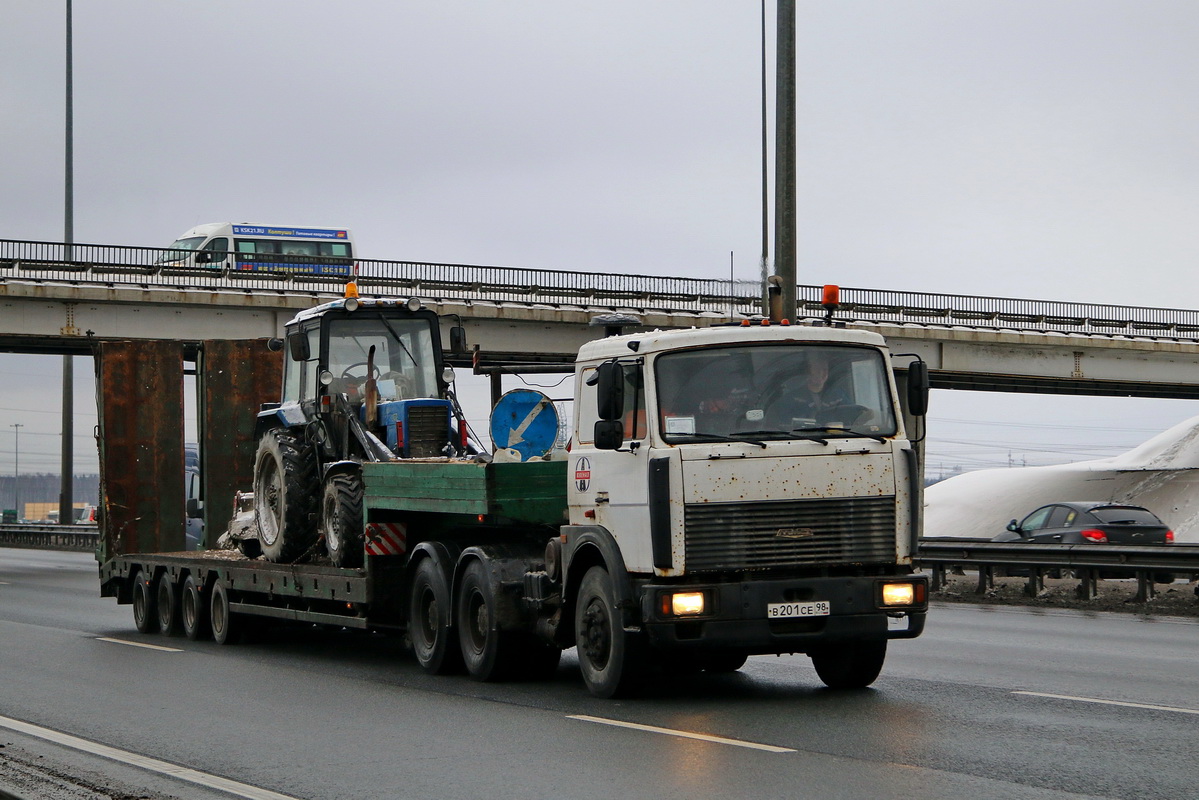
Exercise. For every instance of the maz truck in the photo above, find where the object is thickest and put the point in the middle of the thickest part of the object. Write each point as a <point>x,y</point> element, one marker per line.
<point>726,491</point>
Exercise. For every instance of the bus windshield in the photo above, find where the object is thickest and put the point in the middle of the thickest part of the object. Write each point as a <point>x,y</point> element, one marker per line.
<point>180,246</point>
<point>774,391</point>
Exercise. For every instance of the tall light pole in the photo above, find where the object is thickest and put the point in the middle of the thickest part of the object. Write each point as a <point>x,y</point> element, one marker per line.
<point>16,469</point>
<point>66,490</point>
<point>784,158</point>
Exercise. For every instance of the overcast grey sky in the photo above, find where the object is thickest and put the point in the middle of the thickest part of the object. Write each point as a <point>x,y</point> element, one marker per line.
<point>1014,148</point>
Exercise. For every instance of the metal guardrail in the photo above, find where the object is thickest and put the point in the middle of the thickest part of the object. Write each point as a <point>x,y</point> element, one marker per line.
<point>113,265</point>
<point>1087,561</point>
<point>49,537</point>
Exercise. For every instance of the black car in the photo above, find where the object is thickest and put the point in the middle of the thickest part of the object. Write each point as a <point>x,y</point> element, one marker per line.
<point>1095,522</point>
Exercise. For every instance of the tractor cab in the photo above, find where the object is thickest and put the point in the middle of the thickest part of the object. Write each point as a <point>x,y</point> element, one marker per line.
<point>363,380</point>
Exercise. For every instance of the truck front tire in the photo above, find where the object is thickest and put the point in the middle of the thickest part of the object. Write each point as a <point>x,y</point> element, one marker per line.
<point>611,659</point>
<point>285,495</point>
<point>853,665</point>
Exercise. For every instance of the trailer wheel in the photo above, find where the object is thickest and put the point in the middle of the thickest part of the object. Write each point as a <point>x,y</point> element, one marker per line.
<point>194,611</point>
<point>341,519</point>
<point>429,621</point>
<point>850,666</point>
<point>168,605</point>
<point>488,652</point>
<point>226,627</point>
<point>612,660</point>
<point>145,606</point>
<point>285,495</point>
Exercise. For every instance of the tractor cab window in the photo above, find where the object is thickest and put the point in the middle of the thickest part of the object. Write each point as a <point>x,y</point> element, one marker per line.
<point>396,352</point>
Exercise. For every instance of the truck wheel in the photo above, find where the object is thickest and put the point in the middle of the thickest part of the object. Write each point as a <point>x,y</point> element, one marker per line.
<point>194,611</point>
<point>487,651</point>
<point>341,519</point>
<point>226,628</point>
<point>611,659</point>
<point>168,605</point>
<point>429,626</point>
<point>285,495</point>
<point>145,606</point>
<point>850,666</point>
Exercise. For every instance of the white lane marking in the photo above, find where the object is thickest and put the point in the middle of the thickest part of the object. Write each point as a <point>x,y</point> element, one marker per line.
<point>1174,709</point>
<point>684,734</point>
<point>139,644</point>
<point>144,762</point>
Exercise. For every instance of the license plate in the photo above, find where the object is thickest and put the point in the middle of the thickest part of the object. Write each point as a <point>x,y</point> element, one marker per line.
<point>819,608</point>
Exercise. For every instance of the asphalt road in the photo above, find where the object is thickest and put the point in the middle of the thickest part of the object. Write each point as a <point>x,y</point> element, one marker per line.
<point>989,703</point>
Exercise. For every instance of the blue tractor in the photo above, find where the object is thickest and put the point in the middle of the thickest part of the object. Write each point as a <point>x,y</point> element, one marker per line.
<point>363,380</point>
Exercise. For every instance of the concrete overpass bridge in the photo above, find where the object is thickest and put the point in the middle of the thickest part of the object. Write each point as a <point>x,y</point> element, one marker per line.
<point>57,298</point>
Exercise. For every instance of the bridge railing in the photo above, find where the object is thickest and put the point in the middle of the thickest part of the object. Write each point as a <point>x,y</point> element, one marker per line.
<point>157,267</point>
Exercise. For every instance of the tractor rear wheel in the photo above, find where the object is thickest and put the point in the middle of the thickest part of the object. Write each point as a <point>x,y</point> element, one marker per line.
<point>285,495</point>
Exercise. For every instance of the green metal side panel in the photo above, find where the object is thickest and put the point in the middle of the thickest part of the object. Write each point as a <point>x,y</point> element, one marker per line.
<point>234,378</point>
<point>139,397</point>
<point>533,492</point>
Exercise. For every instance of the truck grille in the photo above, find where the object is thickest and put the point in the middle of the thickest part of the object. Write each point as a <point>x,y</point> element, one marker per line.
<point>428,431</point>
<point>787,533</point>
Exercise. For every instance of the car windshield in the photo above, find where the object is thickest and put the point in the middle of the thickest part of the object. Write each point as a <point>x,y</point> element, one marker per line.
<point>1124,515</point>
<point>773,391</point>
<point>176,250</point>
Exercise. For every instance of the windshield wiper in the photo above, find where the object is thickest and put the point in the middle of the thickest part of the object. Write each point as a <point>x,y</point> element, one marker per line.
<point>841,432</point>
<point>716,437</point>
<point>399,341</point>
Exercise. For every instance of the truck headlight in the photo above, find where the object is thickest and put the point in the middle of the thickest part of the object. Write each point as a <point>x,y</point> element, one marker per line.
<point>900,594</point>
<point>683,604</point>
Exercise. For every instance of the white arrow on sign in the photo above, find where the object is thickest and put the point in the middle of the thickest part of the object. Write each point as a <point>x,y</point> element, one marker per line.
<point>517,434</point>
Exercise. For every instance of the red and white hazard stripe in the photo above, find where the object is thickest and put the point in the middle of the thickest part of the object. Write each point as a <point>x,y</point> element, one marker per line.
<point>386,539</point>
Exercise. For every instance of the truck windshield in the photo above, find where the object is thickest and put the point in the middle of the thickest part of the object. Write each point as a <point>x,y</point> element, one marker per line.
<point>771,392</point>
<point>404,364</point>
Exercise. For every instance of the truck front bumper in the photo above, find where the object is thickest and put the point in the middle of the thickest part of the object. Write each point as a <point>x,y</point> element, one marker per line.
<point>736,614</point>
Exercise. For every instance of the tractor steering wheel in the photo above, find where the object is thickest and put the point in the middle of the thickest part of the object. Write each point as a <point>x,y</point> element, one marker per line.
<point>346,374</point>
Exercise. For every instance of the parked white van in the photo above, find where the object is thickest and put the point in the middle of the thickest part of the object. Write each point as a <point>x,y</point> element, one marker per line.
<point>262,248</point>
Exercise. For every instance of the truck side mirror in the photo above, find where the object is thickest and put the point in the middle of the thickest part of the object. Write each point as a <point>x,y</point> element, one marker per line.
<point>297,345</point>
<point>609,434</point>
<point>457,339</point>
<point>610,391</point>
<point>918,387</point>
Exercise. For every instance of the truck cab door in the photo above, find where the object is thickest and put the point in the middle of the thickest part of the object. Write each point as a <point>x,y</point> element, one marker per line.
<point>609,487</point>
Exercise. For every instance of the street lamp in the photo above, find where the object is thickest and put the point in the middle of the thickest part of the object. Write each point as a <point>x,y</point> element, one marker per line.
<point>16,470</point>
